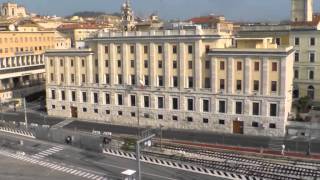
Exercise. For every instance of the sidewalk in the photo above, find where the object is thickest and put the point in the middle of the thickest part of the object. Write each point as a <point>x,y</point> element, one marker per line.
<point>251,151</point>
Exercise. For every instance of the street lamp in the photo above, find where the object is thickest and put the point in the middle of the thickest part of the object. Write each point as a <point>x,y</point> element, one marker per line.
<point>25,112</point>
<point>161,126</point>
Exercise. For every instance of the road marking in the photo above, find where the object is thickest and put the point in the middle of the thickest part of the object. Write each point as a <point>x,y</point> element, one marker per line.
<point>48,152</point>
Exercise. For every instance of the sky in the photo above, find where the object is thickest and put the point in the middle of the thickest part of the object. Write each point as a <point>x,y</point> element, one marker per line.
<point>238,10</point>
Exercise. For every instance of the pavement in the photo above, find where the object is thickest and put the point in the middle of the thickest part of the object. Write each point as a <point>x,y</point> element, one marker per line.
<point>79,164</point>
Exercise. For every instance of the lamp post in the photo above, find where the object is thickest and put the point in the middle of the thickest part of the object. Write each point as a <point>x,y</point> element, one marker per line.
<point>25,112</point>
<point>146,137</point>
<point>161,126</point>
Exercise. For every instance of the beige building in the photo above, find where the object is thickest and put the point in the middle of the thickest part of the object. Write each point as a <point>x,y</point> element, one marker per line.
<point>304,36</point>
<point>174,78</point>
<point>21,62</point>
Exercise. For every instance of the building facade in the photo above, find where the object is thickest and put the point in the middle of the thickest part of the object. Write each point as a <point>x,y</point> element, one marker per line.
<point>171,78</point>
<point>13,10</point>
<point>22,63</point>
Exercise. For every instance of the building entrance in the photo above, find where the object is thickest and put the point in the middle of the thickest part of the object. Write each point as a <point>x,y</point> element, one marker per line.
<point>74,112</point>
<point>238,127</point>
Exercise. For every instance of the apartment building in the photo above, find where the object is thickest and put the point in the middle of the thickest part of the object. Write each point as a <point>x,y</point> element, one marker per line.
<point>182,79</point>
<point>303,34</point>
<point>22,63</point>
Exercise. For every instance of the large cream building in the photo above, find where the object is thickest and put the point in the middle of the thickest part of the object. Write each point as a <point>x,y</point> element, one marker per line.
<point>303,33</point>
<point>186,79</point>
<point>22,63</point>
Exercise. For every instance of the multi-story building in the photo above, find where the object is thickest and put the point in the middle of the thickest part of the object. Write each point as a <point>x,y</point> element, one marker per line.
<point>178,78</point>
<point>303,34</point>
<point>12,10</point>
<point>21,62</point>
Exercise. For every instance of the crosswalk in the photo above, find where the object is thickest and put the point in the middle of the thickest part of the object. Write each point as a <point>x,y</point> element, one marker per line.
<point>54,166</point>
<point>48,152</point>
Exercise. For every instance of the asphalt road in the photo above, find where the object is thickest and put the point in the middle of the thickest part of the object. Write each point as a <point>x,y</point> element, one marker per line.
<point>84,161</point>
<point>36,116</point>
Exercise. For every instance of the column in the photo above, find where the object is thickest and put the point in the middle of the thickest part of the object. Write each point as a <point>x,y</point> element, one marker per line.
<point>101,63</point>
<point>113,64</point>
<point>197,71</point>
<point>67,70</point>
<point>265,77</point>
<point>56,70</point>
<point>167,65</point>
<point>78,70</point>
<point>213,75</point>
<point>90,70</point>
<point>182,65</point>
<point>247,75</point>
<point>138,64</point>
<point>230,74</point>
<point>283,77</point>
<point>125,61</point>
<point>152,65</point>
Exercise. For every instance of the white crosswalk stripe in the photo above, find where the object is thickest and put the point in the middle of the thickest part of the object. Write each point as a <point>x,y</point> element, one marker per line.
<point>34,160</point>
<point>48,152</point>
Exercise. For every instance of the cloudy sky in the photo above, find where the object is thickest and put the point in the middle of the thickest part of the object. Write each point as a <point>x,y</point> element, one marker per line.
<point>241,10</point>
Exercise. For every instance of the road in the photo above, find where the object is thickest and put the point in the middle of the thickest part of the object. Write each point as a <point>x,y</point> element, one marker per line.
<point>36,116</point>
<point>85,164</point>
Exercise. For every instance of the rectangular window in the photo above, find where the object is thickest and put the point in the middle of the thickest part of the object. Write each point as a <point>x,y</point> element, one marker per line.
<point>120,99</point>
<point>51,77</point>
<point>207,64</point>
<point>159,49</point>
<point>255,124</point>
<point>107,79</point>
<point>273,109</point>
<point>133,79</point>
<point>96,62</point>
<point>222,86</point>
<point>296,41</point>
<point>255,108</point>
<point>61,62</point>
<point>106,49</point>
<point>256,85</point>
<point>189,119</point>
<point>84,96</point>
<point>146,101</point>
<point>145,49</point>
<point>97,78</point>
<point>205,120</point>
<point>311,75</point>
<point>106,63</point>
<point>160,116</point>
<point>51,62</point>
<point>274,66</point>
<point>71,62</point>
<point>312,57</point>
<point>207,83</point>
<point>72,78</point>
<point>84,109</point>
<point>190,82</point>
<point>159,64</point>
<point>160,102</point>
<point>107,98</point>
<point>95,98</point>
<point>272,126</point>
<point>190,104</point>
<point>274,86</point>
<point>61,78</point>
<point>83,78</point>
<point>133,100</point>
<point>146,80</point>
<point>296,74</point>
<point>132,49</point>
<point>256,66</point>
<point>119,63</point>
<point>190,49</point>
<point>63,95</point>
<point>133,114</point>
<point>175,118</point>
<point>239,66</point>
<point>312,41</point>
<point>174,64</point>
<point>175,81</point>
<point>53,94</point>
<point>145,63</point>
<point>132,63</point>
<point>96,111</point>
<point>207,48</point>
<point>160,81</point>
<point>278,41</point>
<point>174,49</point>
<point>221,65</point>
<point>73,96</point>
<point>239,85</point>
<point>175,103</point>
<point>221,122</point>
<point>205,105</point>
<point>119,49</point>
<point>119,79</point>
<point>190,64</point>
<point>238,107</point>
<point>222,106</point>
<point>296,57</point>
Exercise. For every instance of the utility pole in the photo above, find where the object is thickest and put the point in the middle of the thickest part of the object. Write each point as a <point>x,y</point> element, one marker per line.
<point>161,126</point>
<point>25,112</point>
<point>146,137</point>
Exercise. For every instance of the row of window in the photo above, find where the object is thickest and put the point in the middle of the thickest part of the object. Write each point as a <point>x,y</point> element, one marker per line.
<point>24,49</point>
<point>161,117</point>
<point>312,57</point>
<point>312,41</point>
<point>25,39</point>
<point>146,49</point>
<point>175,104</point>
<point>310,74</point>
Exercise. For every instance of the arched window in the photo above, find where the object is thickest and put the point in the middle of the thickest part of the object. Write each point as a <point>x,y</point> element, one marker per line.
<point>311,92</point>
